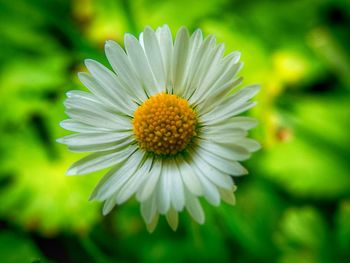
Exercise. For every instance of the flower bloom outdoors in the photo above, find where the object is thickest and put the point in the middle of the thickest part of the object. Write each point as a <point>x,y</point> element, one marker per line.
<point>165,121</point>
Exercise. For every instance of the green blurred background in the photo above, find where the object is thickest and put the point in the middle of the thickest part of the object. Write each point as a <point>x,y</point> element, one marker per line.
<point>294,206</point>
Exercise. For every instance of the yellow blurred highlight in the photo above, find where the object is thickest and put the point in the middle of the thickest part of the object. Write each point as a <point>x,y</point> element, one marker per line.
<point>101,30</point>
<point>290,68</point>
<point>83,10</point>
<point>100,21</point>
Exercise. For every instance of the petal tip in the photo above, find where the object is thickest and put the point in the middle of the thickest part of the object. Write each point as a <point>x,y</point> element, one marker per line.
<point>245,171</point>
<point>60,140</point>
<point>109,44</point>
<point>174,228</point>
<point>105,212</point>
<point>72,171</point>
<point>83,77</point>
<point>62,124</point>
<point>201,221</point>
<point>89,62</point>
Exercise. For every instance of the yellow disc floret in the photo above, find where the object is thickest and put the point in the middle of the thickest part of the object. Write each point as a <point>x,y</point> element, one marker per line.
<point>164,124</point>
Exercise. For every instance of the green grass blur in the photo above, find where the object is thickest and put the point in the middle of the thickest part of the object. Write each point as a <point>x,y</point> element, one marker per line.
<point>294,206</point>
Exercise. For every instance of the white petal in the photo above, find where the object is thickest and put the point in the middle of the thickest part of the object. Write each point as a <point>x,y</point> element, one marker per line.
<point>194,208</point>
<point>109,82</point>
<point>215,98</point>
<point>121,65</point>
<point>218,89</point>
<point>250,144</point>
<point>149,209</point>
<point>77,103</point>
<point>201,63</point>
<point>100,160</point>
<point>177,189</point>
<point>226,114</point>
<point>116,145</point>
<point>228,195</point>
<point>212,69</point>
<point>96,89</point>
<point>114,179</point>
<point>233,57</point>
<point>150,184</point>
<point>210,170</point>
<point>229,69</point>
<point>134,182</point>
<point>244,123</point>
<point>222,135</point>
<point>104,96</point>
<point>153,224</point>
<point>206,77</point>
<point>166,50</point>
<point>226,165</point>
<point>230,151</point>
<point>139,61</point>
<point>196,41</point>
<point>77,97</point>
<point>153,53</point>
<point>173,218</point>
<point>141,40</point>
<point>84,96</point>
<point>76,126</point>
<point>99,118</point>
<point>231,103</point>
<point>164,188</point>
<point>181,47</point>
<point>211,193</point>
<point>93,138</point>
<point>108,205</point>
<point>189,177</point>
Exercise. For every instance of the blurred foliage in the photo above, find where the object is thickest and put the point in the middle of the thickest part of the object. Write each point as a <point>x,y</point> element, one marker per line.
<point>16,248</point>
<point>293,207</point>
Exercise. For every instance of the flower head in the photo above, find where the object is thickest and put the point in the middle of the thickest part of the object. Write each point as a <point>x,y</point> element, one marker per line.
<point>165,121</point>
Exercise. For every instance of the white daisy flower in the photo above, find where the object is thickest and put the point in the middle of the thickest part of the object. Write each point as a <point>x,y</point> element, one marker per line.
<point>165,121</point>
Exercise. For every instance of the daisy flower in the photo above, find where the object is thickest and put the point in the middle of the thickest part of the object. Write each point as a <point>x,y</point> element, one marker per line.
<point>165,121</point>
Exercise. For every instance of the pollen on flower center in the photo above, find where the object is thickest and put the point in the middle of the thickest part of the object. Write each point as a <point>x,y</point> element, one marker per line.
<point>164,124</point>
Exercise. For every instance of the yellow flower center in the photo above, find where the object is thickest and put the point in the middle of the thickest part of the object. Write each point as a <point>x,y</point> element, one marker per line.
<point>164,124</point>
